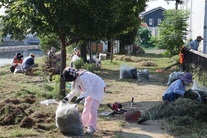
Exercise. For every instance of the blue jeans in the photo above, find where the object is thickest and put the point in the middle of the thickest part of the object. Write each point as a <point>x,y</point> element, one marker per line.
<point>170,97</point>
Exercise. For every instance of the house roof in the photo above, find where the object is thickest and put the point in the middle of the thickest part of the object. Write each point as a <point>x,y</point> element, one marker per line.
<point>152,10</point>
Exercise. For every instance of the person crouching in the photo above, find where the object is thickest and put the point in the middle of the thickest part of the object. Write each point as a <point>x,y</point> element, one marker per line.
<point>28,64</point>
<point>177,88</point>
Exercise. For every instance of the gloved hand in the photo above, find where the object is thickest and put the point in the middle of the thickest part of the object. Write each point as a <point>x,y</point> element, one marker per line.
<point>79,99</point>
<point>64,100</point>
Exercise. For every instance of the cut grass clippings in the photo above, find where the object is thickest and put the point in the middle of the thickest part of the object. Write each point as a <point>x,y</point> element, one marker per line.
<point>184,117</point>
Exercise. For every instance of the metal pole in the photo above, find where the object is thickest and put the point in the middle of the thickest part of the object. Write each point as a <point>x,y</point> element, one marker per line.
<point>205,29</point>
<point>191,20</point>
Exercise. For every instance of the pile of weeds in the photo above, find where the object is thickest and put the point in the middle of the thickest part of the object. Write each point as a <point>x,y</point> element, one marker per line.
<point>15,111</point>
<point>181,107</point>
<point>182,117</point>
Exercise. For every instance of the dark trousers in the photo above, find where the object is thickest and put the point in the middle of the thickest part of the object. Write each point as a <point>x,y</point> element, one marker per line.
<point>170,97</point>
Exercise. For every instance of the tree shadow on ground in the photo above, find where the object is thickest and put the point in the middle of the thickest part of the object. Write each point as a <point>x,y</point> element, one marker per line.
<point>108,133</point>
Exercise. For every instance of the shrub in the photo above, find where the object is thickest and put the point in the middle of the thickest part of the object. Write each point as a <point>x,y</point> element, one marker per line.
<point>78,64</point>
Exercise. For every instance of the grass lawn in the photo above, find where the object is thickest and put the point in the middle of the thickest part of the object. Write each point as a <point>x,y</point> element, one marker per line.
<point>24,93</point>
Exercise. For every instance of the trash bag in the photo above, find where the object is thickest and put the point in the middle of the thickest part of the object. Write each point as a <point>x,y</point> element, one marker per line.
<point>68,119</point>
<point>128,72</point>
<point>174,76</point>
<point>133,72</point>
<point>197,86</point>
<point>202,90</point>
<point>143,75</point>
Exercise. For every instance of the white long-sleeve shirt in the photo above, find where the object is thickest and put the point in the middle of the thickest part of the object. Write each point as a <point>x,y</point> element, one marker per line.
<point>88,84</point>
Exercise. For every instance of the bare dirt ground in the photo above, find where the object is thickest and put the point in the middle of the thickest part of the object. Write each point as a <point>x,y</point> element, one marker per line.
<point>149,94</point>
<point>146,94</point>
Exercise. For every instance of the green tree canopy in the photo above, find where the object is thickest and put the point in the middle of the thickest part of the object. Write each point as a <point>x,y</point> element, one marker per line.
<point>48,41</point>
<point>70,20</point>
<point>173,30</point>
<point>144,35</point>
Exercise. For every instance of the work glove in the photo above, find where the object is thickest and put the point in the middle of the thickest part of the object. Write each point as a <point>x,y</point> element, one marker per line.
<point>64,100</point>
<point>79,99</point>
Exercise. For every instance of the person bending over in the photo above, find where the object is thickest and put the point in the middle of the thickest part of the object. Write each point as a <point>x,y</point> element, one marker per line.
<point>91,87</point>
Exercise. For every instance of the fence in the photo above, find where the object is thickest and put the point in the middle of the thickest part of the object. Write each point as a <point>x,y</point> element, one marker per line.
<point>17,48</point>
<point>196,62</point>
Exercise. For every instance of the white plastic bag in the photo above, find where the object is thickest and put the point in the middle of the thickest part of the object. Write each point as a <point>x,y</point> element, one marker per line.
<point>198,87</point>
<point>128,72</point>
<point>18,69</point>
<point>174,76</point>
<point>68,119</point>
<point>49,101</point>
<point>200,90</point>
<point>143,75</point>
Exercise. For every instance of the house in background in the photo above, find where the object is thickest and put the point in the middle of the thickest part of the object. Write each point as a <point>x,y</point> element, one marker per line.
<point>153,18</point>
<point>103,47</point>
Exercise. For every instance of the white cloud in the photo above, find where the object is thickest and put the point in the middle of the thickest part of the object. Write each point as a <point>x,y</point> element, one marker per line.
<point>156,3</point>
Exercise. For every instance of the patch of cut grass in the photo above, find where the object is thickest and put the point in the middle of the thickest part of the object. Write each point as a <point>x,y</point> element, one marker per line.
<point>17,132</point>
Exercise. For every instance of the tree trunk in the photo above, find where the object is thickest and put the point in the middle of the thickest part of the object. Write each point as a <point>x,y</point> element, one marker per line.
<point>176,5</point>
<point>90,52</point>
<point>83,52</point>
<point>122,50</point>
<point>112,47</point>
<point>63,65</point>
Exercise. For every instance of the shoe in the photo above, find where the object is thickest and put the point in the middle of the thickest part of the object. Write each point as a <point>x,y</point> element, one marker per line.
<point>90,130</point>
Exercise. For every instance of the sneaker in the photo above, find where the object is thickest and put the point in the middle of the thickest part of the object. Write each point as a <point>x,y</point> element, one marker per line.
<point>90,130</point>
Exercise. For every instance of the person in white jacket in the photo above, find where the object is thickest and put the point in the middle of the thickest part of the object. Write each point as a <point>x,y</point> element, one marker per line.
<point>91,87</point>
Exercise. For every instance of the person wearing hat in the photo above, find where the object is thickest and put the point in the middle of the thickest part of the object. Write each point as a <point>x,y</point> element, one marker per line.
<point>194,44</point>
<point>16,62</point>
<point>91,88</point>
<point>28,64</point>
<point>177,88</point>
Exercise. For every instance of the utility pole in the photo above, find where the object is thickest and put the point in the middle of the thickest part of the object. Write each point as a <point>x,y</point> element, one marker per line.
<point>205,29</point>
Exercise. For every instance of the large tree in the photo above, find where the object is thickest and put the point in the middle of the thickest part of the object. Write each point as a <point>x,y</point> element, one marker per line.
<point>70,20</point>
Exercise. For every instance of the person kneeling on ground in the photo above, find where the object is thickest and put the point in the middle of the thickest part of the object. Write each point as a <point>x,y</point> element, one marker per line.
<point>177,88</point>
<point>28,64</point>
<point>92,88</point>
<point>16,63</point>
